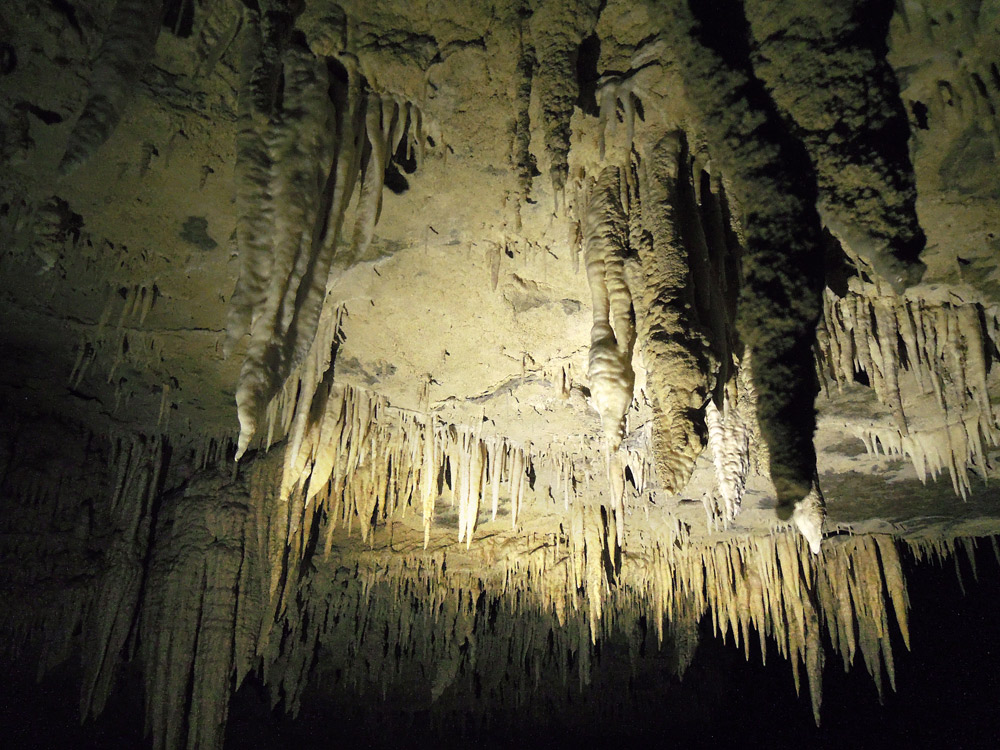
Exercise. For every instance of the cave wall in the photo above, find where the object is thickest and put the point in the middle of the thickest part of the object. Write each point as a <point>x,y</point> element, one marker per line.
<point>360,251</point>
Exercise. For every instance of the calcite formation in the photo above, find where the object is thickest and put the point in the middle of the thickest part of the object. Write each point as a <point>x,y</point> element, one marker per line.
<point>314,381</point>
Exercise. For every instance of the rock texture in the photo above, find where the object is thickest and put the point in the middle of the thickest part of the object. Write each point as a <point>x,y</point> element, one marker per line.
<point>438,351</point>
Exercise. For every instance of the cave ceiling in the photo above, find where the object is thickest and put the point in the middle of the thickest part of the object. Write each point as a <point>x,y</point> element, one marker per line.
<point>548,289</point>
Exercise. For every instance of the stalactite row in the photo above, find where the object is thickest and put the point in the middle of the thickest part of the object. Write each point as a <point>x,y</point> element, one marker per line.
<point>239,576</point>
<point>136,467</point>
<point>65,587</point>
<point>128,45</point>
<point>46,575</point>
<point>435,634</point>
<point>771,584</point>
<point>300,168</point>
<point>367,463</point>
<point>408,611</point>
<point>941,352</point>
<point>118,338</point>
<point>612,335</point>
<point>940,548</point>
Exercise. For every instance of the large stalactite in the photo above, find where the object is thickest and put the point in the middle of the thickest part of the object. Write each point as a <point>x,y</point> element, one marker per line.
<point>850,119</point>
<point>675,349</point>
<point>781,295</point>
<point>613,332</point>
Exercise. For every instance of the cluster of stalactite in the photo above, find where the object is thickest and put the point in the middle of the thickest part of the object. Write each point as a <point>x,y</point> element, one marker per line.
<point>224,573</point>
<point>119,340</point>
<point>665,220</point>
<point>929,362</point>
<point>360,461</point>
<point>695,260</point>
<point>780,294</point>
<point>298,166</point>
<point>772,143</point>
<point>676,352</point>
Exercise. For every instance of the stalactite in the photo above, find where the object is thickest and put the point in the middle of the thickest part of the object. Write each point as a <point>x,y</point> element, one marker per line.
<point>128,45</point>
<point>612,91</point>
<point>234,580</point>
<point>123,339</point>
<point>939,355</point>
<point>729,436</point>
<point>253,168</point>
<point>301,148</point>
<point>318,150</point>
<point>834,76</point>
<point>780,299</point>
<point>674,351</point>
<point>557,29</point>
<point>521,156</point>
<point>613,333</point>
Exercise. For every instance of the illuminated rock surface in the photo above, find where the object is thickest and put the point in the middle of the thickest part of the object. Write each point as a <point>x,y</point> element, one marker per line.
<point>552,336</point>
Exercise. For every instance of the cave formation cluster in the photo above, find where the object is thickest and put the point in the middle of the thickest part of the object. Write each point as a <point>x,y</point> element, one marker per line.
<point>730,188</point>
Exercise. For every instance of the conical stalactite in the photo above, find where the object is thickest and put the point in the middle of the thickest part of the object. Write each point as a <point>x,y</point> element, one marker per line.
<point>521,157</point>
<point>825,67</point>
<point>128,45</point>
<point>939,354</point>
<point>674,349</point>
<point>557,29</point>
<point>780,298</point>
<point>612,335</point>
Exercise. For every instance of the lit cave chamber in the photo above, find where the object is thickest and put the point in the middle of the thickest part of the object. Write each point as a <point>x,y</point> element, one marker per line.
<point>513,372</point>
